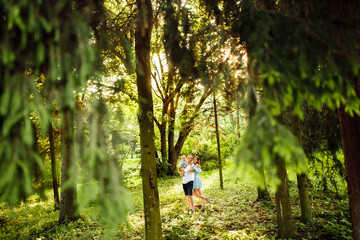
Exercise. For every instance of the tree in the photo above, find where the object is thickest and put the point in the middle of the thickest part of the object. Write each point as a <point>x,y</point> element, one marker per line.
<point>330,71</point>
<point>263,193</point>
<point>295,123</point>
<point>182,56</point>
<point>282,198</point>
<point>349,123</point>
<point>53,166</point>
<point>51,41</point>
<point>68,206</point>
<point>283,206</point>
<point>302,180</point>
<point>218,142</point>
<point>146,118</point>
<point>18,158</point>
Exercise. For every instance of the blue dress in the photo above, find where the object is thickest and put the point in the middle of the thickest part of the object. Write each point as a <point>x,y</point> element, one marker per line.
<point>197,180</point>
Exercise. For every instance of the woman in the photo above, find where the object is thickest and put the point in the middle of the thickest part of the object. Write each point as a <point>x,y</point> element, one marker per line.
<point>197,185</point>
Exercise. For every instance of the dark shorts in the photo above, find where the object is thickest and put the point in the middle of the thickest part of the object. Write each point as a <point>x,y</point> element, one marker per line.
<point>188,188</point>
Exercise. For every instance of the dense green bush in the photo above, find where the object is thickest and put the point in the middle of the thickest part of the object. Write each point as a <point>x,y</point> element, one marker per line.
<point>204,145</point>
<point>162,167</point>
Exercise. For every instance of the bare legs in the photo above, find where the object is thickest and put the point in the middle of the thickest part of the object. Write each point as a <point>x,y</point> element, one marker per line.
<point>197,193</point>
<point>190,201</point>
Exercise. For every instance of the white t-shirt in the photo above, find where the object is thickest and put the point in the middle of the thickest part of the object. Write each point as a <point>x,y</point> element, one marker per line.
<point>189,175</point>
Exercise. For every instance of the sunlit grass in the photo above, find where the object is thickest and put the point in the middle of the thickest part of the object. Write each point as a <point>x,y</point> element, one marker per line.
<point>232,214</point>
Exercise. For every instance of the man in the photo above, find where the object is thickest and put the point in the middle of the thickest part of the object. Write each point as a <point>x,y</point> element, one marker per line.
<point>188,181</point>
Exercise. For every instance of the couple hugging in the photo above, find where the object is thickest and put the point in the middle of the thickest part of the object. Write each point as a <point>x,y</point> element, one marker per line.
<point>189,168</point>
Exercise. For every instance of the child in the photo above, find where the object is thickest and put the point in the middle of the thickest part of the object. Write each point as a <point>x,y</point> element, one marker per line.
<point>183,164</point>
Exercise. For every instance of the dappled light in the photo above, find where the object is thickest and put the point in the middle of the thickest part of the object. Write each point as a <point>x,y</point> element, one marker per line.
<point>179,119</point>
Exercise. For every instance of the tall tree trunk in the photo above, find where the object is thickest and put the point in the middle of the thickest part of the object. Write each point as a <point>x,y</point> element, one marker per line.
<point>39,180</point>
<point>283,206</point>
<point>163,150</point>
<point>146,121</point>
<point>282,198</point>
<point>350,125</point>
<point>218,143</point>
<point>306,214</point>
<point>68,207</point>
<point>171,119</point>
<point>53,167</point>
<point>350,135</point>
<point>171,139</point>
<point>263,193</point>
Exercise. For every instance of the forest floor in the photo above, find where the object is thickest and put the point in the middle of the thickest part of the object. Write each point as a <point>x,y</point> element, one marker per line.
<point>233,213</point>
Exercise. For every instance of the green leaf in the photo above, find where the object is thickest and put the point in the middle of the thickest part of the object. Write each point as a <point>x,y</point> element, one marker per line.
<point>47,26</point>
<point>27,132</point>
<point>40,53</point>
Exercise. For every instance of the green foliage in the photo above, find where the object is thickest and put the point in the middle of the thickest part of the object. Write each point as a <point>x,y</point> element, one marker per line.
<point>204,145</point>
<point>322,146</point>
<point>46,60</point>
<point>266,139</point>
<point>233,214</point>
<point>179,46</point>
<point>162,166</point>
<point>332,222</point>
<point>99,173</point>
<point>45,39</point>
<point>297,58</point>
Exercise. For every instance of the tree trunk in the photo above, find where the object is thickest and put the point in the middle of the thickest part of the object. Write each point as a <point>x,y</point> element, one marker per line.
<point>68,207</point>
<point>171,139</point>
<point>218,143</point>
<point>171,119</point>
<point>306,214</point>
<point>38,177</point>
<point>238,123</point>
<point>187,127</point>
<point>163,150</point>
<point>350,135</point>
<point>146,121</point>
<point>53,167</point>
<point>282,198</point>
<point>177,150</point>
<point>283,206</point>
<point>263,193</point>
<point>350,127</point>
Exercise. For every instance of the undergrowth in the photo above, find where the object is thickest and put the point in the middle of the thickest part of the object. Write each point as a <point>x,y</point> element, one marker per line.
<point>233,213</point>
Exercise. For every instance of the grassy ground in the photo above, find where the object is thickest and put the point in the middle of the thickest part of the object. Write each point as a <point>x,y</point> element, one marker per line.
<point>233,214</point>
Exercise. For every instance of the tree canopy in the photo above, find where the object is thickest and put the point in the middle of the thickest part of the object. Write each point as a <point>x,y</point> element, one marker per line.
<point>71,69</point>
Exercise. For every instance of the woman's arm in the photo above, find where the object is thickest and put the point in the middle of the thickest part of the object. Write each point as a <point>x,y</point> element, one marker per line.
<point>197,168</point>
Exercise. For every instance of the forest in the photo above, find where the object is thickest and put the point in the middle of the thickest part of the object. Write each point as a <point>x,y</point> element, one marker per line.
<point>100,100</point>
